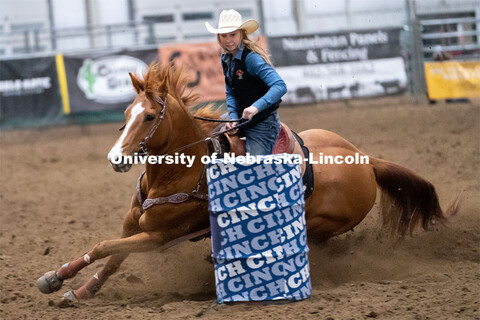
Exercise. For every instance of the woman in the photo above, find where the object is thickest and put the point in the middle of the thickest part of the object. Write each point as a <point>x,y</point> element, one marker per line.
<point>253,87</point>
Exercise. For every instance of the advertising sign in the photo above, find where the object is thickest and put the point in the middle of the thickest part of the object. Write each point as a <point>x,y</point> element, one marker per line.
<point>340,65</point>
<point>453,79</point>
<point>29,89</point>
<point>203,62</point>
<point>101,82</point>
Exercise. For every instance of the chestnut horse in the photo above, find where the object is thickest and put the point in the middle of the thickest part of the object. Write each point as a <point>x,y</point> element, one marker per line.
<point>159,120</point>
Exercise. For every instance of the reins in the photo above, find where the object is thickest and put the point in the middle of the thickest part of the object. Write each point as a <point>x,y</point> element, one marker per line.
<point>241,122</point>
<point>219,120</point>
<point>163,103</point>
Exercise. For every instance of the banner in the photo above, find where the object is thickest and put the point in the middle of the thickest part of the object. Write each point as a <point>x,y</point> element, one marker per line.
<point>99,82</point>
<point>259,238</point>
<point>340,65</point>
<point>453,79</point>
<point>203,62</point>
<point>29,92</point>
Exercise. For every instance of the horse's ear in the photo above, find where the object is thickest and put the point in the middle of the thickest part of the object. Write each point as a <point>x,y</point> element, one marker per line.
<point>137,83</point>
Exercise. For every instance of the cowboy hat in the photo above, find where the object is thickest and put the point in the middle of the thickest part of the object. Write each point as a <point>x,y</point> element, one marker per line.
<point>231,20</point>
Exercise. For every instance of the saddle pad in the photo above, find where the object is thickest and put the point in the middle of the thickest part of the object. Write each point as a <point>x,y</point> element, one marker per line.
<point>283,141</point>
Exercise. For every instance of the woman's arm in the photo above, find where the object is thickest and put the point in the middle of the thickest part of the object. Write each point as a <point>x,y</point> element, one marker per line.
<point>259,68</point>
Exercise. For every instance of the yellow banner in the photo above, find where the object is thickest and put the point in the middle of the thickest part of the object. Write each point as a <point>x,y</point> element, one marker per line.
<point>453,79</point>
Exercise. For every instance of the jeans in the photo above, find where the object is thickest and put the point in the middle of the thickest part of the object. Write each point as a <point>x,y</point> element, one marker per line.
<point>262,136</point>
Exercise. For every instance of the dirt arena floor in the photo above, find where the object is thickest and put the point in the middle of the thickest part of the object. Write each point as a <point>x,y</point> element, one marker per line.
<point>59,196</point>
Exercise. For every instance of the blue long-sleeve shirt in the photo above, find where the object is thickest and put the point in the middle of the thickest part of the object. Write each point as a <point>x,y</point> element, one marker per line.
<point>259,68</point>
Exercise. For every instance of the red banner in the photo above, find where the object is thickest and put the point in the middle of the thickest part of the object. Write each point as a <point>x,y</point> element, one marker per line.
<point>203,61</point>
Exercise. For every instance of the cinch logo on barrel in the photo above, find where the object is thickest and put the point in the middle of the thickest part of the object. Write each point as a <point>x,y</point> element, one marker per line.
<point>106,80</point>
<point>259,239</point>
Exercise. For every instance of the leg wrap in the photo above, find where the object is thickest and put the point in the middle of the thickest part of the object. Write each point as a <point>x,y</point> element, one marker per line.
<point>89,289</point>
<point>70,269</point>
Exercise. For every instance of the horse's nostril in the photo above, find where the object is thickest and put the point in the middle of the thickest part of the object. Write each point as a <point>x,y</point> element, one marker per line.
<point>115,158</point>
<point>121,166</point>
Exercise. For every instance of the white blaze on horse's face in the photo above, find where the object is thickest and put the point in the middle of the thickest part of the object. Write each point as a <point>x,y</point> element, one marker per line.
<point>115,156</point>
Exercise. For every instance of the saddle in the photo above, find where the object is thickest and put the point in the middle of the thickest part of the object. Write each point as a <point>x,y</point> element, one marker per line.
<point>288,142</point>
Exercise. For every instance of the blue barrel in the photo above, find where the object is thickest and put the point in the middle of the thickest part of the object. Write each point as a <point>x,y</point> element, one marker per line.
<point>259,238</point>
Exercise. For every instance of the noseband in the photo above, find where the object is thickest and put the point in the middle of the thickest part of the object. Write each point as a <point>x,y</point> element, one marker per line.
<point>153,129</point>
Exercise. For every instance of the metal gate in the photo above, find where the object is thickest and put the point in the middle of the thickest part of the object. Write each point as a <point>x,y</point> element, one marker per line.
<point>458,37</point>
<point>449,35</point>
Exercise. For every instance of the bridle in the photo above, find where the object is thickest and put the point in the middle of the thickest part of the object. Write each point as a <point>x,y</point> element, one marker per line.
<point>153,129</point>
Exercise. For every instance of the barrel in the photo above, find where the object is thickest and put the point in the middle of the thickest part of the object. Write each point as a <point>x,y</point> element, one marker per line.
<point>259,239</point>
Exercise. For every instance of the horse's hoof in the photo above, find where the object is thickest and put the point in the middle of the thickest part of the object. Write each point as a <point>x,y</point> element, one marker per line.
<point>49,282</point>
<point>68,300</point>
<point>70,296</point>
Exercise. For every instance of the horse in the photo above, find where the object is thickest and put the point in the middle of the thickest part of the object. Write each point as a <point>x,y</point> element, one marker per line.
<point>161,121</point>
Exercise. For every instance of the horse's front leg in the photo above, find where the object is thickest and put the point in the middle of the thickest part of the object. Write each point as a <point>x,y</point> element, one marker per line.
<point>52,281</point>
<point>91,287</point>
<point>141,242</point>
<point>118,249</point>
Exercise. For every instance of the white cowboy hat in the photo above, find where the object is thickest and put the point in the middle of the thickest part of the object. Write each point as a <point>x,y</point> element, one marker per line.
<point>231,20</point>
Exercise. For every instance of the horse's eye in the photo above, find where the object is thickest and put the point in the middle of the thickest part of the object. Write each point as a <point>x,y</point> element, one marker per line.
<point>123,127</point>
<point>149,117</point>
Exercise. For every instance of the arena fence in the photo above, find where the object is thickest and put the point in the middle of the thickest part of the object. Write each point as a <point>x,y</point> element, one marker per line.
<point>72,88</point>
<point>93,86</point>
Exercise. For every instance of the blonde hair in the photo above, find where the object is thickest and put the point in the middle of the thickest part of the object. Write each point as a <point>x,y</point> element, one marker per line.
<point>250,44</point>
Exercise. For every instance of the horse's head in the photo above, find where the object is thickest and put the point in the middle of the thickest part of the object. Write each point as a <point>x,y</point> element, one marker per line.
<point>143,117</point>
<point>144,128</point>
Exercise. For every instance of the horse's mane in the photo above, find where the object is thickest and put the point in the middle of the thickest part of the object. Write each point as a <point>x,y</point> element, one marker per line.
<point>160,79</point>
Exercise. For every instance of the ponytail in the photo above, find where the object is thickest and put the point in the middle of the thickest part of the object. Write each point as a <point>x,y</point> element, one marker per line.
<point>253,45</point>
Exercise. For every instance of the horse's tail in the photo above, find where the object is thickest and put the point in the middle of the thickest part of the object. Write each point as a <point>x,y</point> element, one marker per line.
<point>407,199</point>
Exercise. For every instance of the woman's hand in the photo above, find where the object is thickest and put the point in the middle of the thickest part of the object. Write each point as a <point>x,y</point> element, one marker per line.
<point>230,125</point>
<point>249,112</point>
